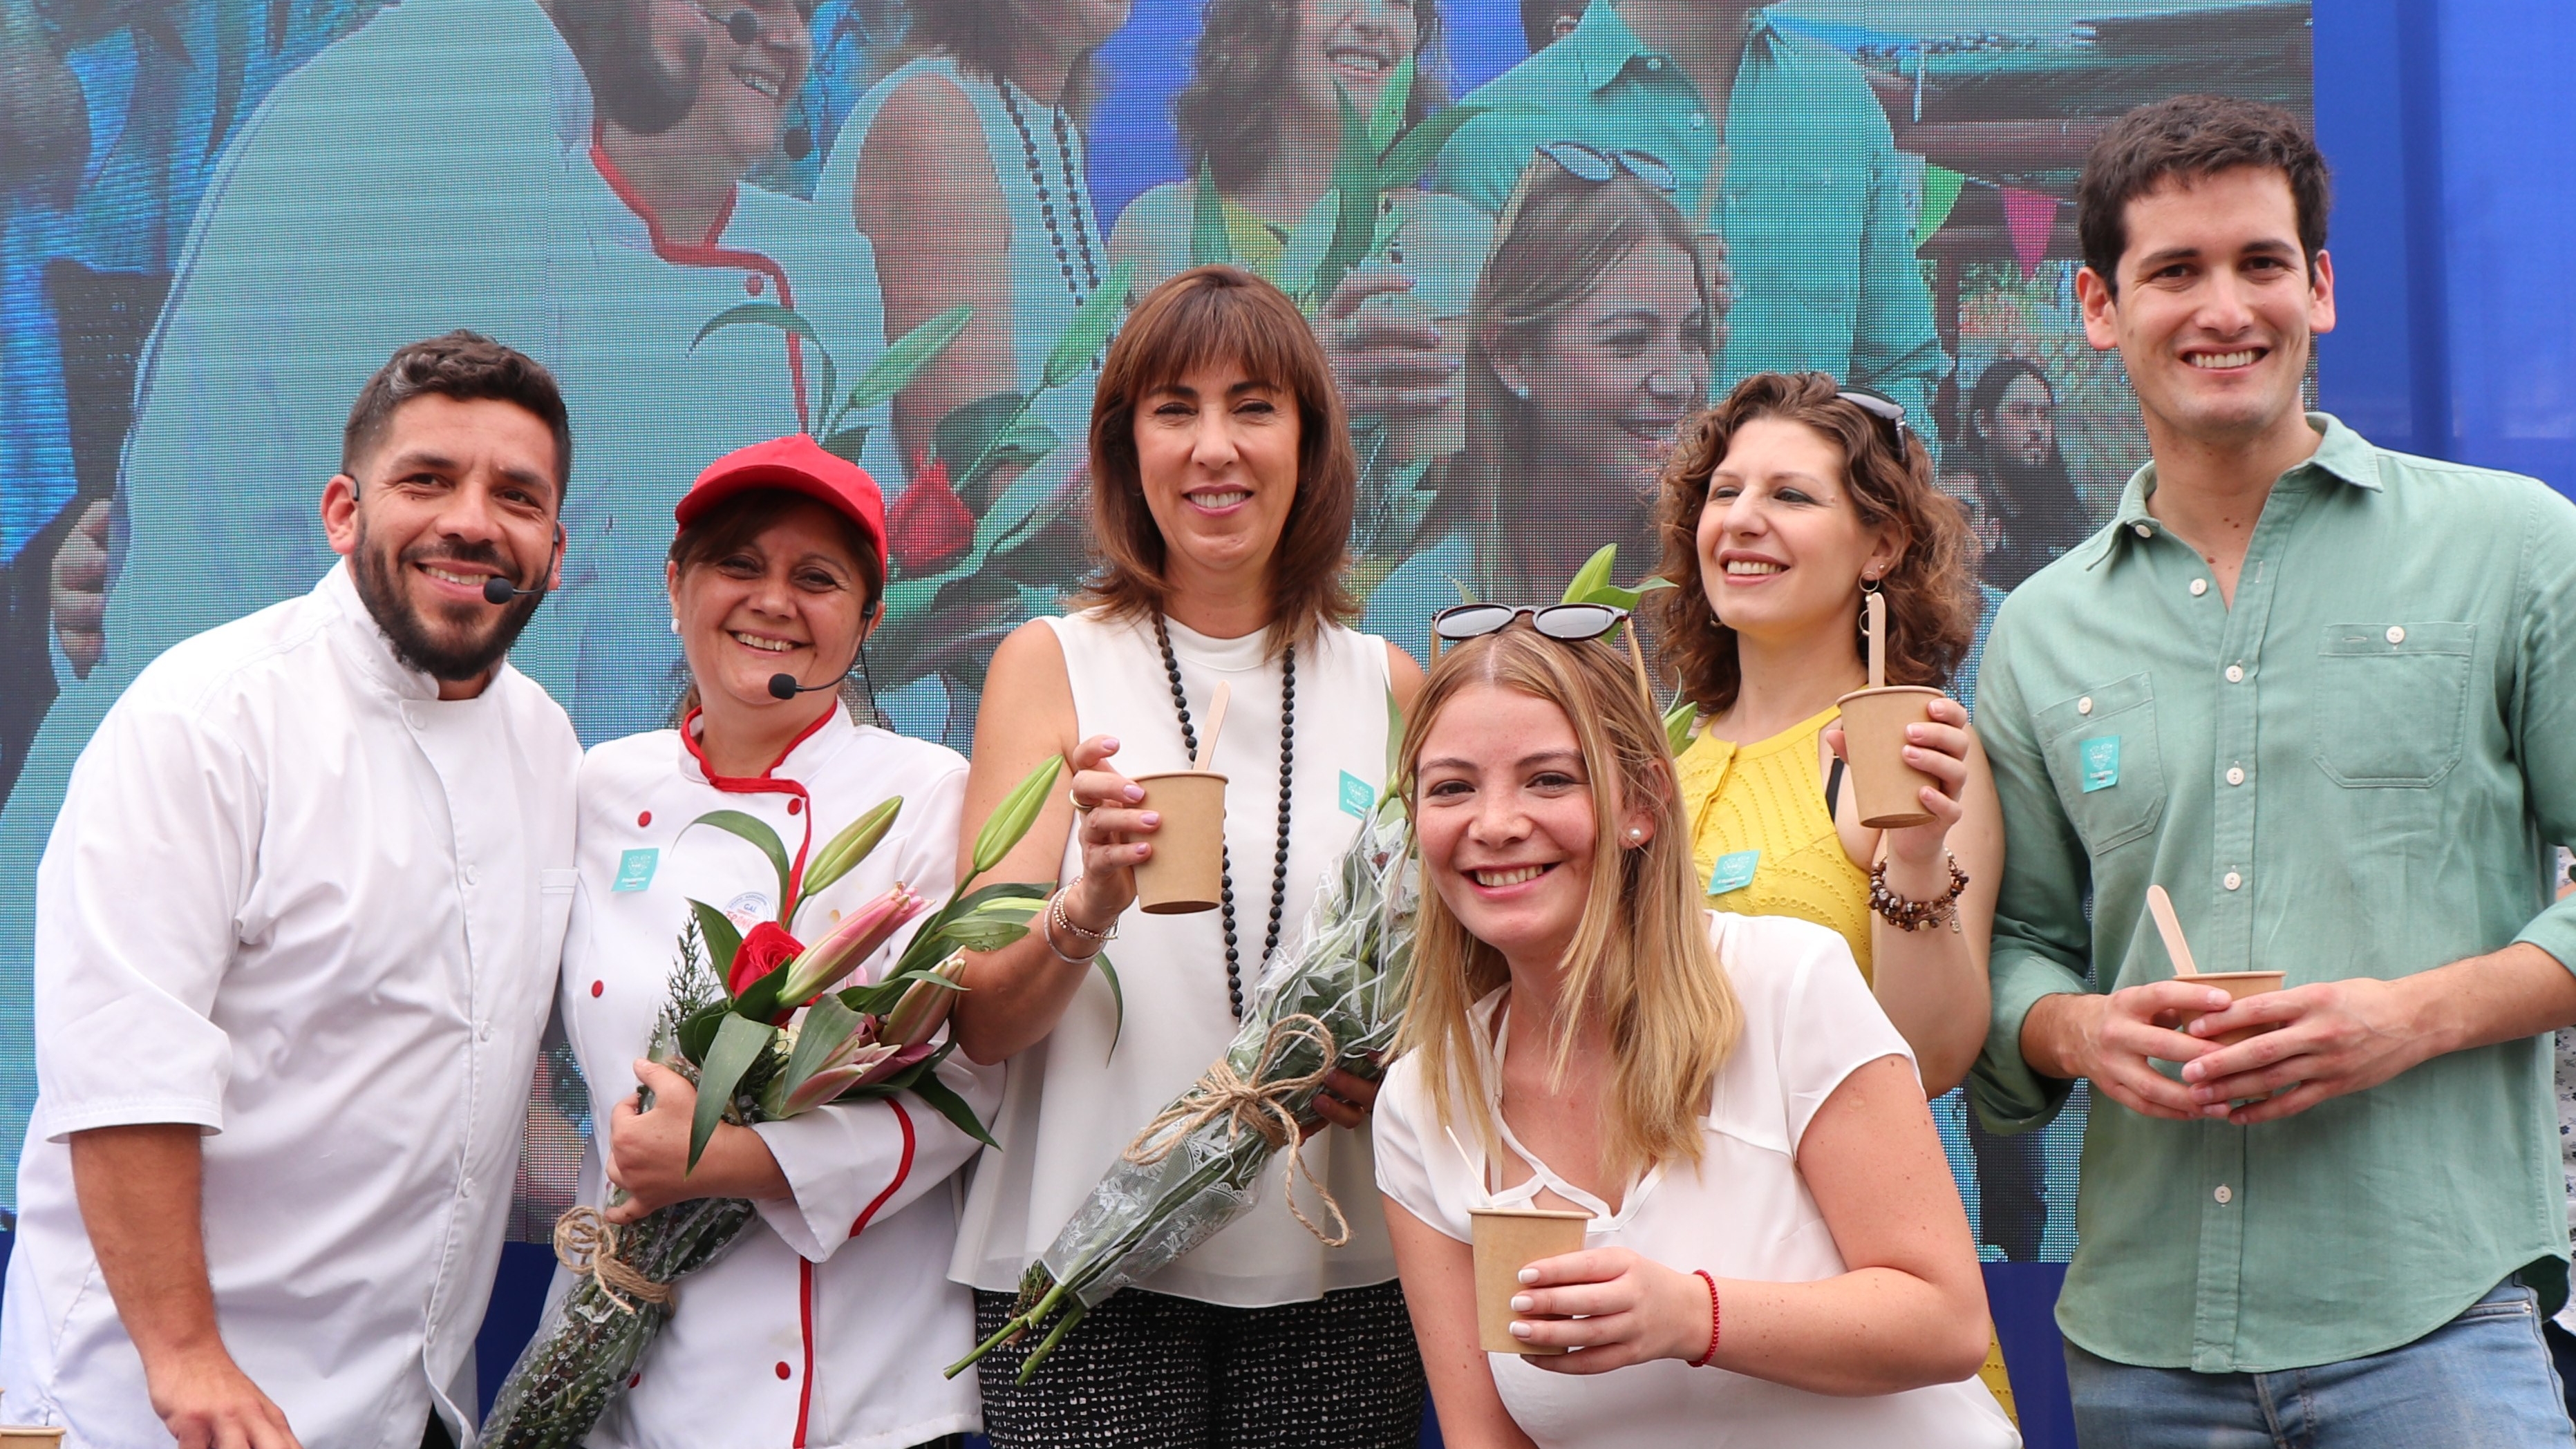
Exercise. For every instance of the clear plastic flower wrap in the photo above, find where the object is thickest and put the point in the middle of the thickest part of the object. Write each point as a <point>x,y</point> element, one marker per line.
<point>1335,1002</point>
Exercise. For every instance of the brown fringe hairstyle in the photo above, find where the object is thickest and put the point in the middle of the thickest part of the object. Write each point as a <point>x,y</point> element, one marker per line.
<point>1202,315</point>
<point>978,34</point>
<point>1227,117</point>
<point>1932,600</point>
<point>1641,962</point>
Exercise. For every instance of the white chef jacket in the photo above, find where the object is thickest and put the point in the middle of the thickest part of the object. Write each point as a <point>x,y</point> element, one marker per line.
<point>829,1321</point>
<point>298,900</point>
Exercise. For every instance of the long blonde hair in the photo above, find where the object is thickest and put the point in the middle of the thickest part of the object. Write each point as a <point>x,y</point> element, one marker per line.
<point>1641,958</point>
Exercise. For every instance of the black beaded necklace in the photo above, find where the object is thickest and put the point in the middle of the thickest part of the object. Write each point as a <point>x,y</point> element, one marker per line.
<point>1089,281</point>
<point>1287,775</point>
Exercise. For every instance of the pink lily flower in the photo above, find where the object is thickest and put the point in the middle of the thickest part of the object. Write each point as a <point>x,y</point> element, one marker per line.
<point>859,934</point>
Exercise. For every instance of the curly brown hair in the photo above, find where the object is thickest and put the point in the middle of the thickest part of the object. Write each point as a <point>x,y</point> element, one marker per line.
<point>1932,600</point>
<point>1226,118</point>
<point>1204,314</point>
<point>979,33</point>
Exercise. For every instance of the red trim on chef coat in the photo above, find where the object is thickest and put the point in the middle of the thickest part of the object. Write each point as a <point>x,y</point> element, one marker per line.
<point>706,254</point>
<point>766,783</point>
<point>903,1169</point>
<point>805,1330</point>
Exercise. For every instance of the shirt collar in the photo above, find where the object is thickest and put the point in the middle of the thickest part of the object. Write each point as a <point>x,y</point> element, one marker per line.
<point>830,733</point>
<point>2342,454</point>
<point>1602,46</point>
<point>373,652</point>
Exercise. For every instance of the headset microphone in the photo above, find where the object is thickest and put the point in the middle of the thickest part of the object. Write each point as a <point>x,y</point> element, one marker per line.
<point>499,590</point>
<point>784,686</point>
<point>743,26</point>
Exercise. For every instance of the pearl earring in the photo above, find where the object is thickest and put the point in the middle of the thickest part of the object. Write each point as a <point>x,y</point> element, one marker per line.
<point>1636,835</point>
<point>675,623</point>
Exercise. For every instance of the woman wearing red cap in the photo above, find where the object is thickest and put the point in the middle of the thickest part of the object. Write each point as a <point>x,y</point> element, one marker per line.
<point>1222,489</point>
<point>829,1320</point>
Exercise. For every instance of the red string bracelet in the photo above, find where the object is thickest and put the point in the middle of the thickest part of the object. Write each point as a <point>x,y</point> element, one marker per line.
<point>1713,1321</point>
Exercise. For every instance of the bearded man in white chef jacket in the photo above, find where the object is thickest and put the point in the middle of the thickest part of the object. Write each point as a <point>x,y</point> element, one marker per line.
<point>296,936</point>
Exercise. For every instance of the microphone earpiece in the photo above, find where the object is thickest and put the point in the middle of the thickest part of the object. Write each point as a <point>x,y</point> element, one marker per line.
<point>784,686</point>
<point>498,590</point>
<point>798,142</point>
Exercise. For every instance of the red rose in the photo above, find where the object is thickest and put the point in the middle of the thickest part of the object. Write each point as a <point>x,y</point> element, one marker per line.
<point>767,948</point>
<point>929,527</point>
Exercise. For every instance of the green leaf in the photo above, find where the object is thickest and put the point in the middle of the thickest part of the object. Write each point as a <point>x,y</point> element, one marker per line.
<point>930,1089</point>
<point>845,850</point>
<point>1394,742</point>
<point>757,831</point>
<point>1387,117</point>
<point>1355,179</point>
<point>739,1042</point>
<point>848,444</point>
<point>1012,818</point>
<point>697,1035</point>
<point>1594,575</point>
<point>1294,268</point>
<point>1412,154</point>
<point>982,935</point>
<point>1678,722</point>
<point>827,1024</point>
<point>904,360</point>
<point>722,939</point>
<point>1466,595</point>
<point>1117,999</point>
<point>978,437</point>
<point>826,381</point>
<point>1089,330</point>
<point>761,314</point>
<point>1211,240</point>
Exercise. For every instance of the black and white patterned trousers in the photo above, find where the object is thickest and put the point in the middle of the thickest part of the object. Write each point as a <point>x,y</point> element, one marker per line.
<point>1150,1371</point>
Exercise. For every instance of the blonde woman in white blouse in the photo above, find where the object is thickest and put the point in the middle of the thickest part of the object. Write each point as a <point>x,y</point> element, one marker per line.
<point>1776,1253</point>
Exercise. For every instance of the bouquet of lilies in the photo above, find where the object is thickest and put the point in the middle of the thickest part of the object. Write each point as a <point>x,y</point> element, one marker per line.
<point>767,1028</point>
<point>1334,1003</point>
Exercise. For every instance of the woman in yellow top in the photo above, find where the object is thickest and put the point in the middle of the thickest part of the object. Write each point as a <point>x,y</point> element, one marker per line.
<point>1787,501</point>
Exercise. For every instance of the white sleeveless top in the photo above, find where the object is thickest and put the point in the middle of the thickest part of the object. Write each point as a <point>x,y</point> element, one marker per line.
<point>1072,1104</point>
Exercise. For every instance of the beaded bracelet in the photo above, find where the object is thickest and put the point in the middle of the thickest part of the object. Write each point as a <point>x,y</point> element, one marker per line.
<point>1912,915</point>
<point>1702,1360</point>
<point>1057,919</point>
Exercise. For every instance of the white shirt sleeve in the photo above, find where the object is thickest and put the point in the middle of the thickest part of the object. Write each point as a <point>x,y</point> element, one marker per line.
<point>138,899</point>
<point>1830,1025</point>
<point>1404,1165</point>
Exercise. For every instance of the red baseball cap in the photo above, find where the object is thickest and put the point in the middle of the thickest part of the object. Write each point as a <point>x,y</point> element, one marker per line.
<point>796,464</point>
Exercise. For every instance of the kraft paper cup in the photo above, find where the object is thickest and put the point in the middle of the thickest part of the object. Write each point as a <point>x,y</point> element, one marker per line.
<point>13,1436</point>
<point>2237,984</point>
<point>1186,871</point>
<point>1874,722</point>
<point>1508,1240</point>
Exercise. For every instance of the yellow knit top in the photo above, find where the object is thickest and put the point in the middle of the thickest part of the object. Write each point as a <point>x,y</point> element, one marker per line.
<point>1770,797</point>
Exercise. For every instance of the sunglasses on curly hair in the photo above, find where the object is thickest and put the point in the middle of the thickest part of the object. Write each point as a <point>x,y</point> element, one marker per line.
<point>1565,623</point>
<point>1882,407</point>
<point>1591,163</point>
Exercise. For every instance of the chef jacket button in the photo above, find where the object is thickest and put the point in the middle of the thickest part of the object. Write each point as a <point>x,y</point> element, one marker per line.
<point>795,806</point>
<point>469,875</point>
<point>483,1032</point>
<point>783,1370</point>
<point>644,819</point>
<point>2396,633</point>
<point>597,987</point>
<point>754,283</point>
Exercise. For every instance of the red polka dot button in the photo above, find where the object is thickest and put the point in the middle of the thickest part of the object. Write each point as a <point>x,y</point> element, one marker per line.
<point>753,284</point>
<point>644,819</point>
<point>782,1368</point>
<point>795,806</point>
<point>633,1379</point>
<point>597,987</point>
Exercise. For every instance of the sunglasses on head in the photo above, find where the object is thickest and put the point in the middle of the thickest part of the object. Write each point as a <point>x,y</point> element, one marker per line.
<point>1882,407</point>
<point>1591,163</point>
<point>1566,623</point>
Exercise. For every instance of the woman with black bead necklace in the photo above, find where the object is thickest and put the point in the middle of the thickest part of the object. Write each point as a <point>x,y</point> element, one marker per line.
<point>966,170</point>
<point>1222,484</point>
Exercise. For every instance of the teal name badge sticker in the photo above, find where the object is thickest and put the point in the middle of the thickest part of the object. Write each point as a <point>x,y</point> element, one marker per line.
<point>1734,871</point>
<point>635,869</point>
<point>2100,757</point>
<point>1357,795</point>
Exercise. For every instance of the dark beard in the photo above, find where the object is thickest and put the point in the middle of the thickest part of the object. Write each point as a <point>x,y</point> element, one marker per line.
<point>2039,498</point>
<point>380,588</point>
<point>628,82</point>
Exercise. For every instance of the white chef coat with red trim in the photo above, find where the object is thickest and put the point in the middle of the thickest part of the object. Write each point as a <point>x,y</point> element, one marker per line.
<point>298,901</point>
<point>830,1320</point>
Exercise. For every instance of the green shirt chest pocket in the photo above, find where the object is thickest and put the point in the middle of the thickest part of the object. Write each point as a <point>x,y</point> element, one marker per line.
<point>2393,702</point>
<point>2103,757</point>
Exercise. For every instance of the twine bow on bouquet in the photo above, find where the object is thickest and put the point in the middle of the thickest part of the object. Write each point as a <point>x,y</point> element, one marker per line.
<point>1257,1104</point>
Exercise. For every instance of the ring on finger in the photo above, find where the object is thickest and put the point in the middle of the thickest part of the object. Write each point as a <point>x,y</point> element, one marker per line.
<point>1079,806</point>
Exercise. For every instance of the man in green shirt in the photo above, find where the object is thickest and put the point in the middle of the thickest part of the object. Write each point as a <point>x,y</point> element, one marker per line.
<point>2325,695</point>
<point>1778,151</point>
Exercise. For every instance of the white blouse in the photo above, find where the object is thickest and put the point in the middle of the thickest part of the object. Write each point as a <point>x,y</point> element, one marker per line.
<point>828,1322</point>
<point>1809,1022</point>
<point>1074,1103</point>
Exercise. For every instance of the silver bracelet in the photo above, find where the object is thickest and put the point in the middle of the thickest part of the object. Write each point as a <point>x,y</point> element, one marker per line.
<point>1057,919</point>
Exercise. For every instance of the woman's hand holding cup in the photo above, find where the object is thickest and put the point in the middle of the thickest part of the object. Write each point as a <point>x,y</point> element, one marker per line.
<point>1938,748</point>
<point>1615,1305</point>
<point>1114,832</point>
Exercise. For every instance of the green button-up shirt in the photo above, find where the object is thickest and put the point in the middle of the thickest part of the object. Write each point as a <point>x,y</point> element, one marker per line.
<point>1809,200</point>
<point>2350,771</point>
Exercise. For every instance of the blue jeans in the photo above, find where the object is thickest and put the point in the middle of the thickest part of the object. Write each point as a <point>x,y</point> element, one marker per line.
<point>2484,1378</point>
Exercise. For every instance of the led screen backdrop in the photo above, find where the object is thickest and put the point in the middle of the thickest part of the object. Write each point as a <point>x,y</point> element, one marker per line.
<point>1530,243</point>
